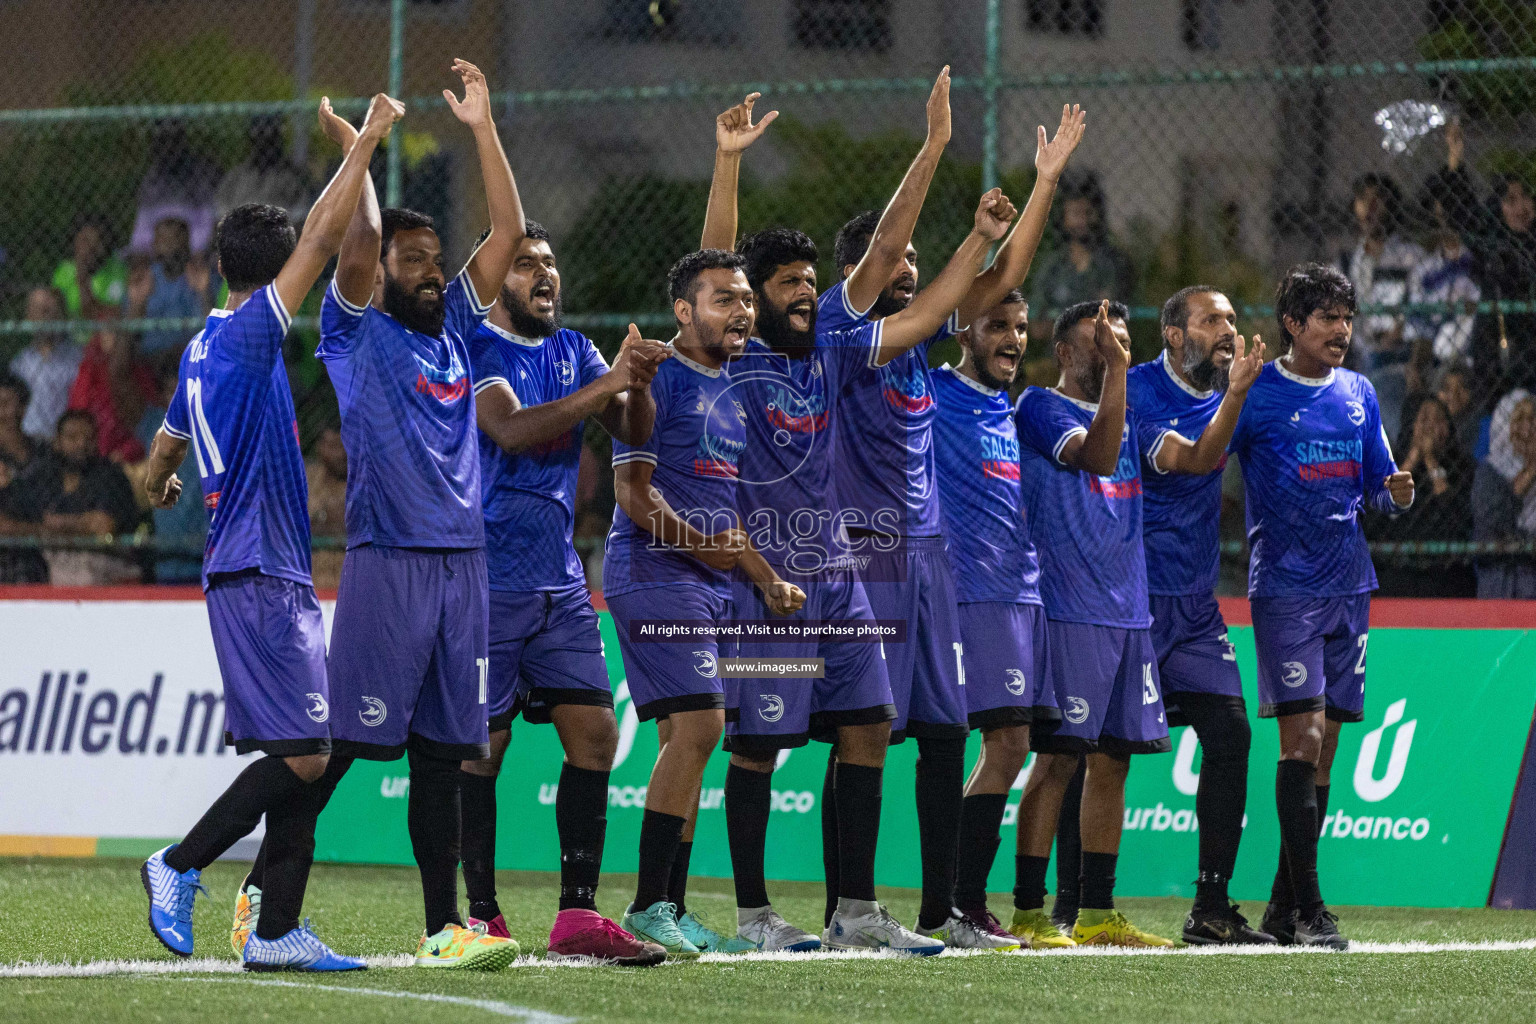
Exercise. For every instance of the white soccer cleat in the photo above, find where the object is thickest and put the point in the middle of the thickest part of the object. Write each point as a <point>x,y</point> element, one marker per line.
<point>866,924</point>
<point>763,929</point>
<point>962,931</point>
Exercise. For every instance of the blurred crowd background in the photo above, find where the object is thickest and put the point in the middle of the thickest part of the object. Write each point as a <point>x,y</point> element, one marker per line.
<point>1226,140</point>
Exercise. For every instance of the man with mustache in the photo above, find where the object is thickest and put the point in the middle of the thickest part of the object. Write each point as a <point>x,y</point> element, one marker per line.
<point>535,384</point>
<point>1202,369</point>
<point>408,659</point>
<point>1314,454</point>
<point>675,541</point>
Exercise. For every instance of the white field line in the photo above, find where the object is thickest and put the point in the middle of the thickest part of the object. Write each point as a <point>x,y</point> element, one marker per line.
<point>494,1006</point>
<point>101,968</point>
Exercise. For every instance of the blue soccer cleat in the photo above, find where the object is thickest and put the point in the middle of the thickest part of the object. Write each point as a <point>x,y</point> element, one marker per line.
<point>299,950</point>
<point>171,893</point>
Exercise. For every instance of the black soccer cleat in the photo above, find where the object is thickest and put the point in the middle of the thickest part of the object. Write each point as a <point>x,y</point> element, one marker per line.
<point>1320,930</point>
<point>1222,926</point>
<point>1280,923</point>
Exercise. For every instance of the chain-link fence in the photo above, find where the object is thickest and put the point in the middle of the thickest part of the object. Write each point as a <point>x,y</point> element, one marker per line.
<point>1227,139</point>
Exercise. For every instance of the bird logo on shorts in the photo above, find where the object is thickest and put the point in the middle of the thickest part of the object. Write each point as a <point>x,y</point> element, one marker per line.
<point>1356,412</point>
<point>1293,674</point>
<point>706,666</point>
<point>566,371</point>
<point>1076,711</point>
<point>318,709</point>
<point>374,712</point>
<point>773,707</point>
<point>1016,681</point>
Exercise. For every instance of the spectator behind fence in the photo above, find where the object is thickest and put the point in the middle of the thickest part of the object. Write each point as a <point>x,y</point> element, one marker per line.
<point>1444,275</point>
<point>1379,266</point>
<point>17,452</point>
<point>326,469</point>
<point>115,386</point>
<point>1503,501</point>
<point>176,284</point>
<point>71,492</point>
<point>94,281</point>
<point>266,176</point>
<point>49,364</point>
<point>1504,343</point>
<point>1442,509</point>
<point>178,184</point>
<point>1085,264</point>
<point>187,520</point>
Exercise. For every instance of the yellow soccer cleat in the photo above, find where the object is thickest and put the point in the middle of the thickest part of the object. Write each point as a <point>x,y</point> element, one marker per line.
<point>247,910</point>
<point>1036,930</point>
<point>465,949</point>
<point>1112,928</point>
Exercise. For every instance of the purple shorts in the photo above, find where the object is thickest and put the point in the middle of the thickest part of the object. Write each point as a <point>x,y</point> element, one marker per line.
<point>667,676</point>
<point>408,654</point>
<point>915,584</point>
<point>1312,655</point>
<point>1006,679</point>
<point>767,713</point>
<point>545,650</point>
<point>1106,683</point>
<point>270,642</point>
<point>1194,655</point>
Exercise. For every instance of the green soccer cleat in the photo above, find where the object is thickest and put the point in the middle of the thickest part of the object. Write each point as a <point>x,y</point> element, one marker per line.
<point>465,949</point>
<point>704,938</point>
<point>1035,930</point>
<point>1112,928</point>
<point>658,923</point>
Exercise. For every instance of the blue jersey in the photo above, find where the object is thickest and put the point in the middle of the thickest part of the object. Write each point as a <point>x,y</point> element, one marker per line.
<point>695,447</point>
<point>1313,454</point>
<point>834,312</point>
<point>232,402</point>
<point>408,422</point>
<point>786,489</point>
<point>530,497</point>
<point>1181,513</point>
<point>1087,528</point>
<point>976,450</point>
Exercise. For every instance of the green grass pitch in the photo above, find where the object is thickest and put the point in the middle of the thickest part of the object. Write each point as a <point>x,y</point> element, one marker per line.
<point>55,912</point>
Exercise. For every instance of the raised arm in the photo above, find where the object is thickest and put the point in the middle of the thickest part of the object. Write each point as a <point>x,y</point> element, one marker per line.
<point>734,132</point>
<point>933,305</point>
<point>161,483</point>
<point>1011,266</point>
<point>1098,451</point>
<point>489,265</point>
<point>1178,454</point>
<point>888,245</point>
<point>330,217</point>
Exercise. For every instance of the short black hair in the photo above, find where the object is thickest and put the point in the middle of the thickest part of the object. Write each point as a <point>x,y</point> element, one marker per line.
<point>531,229</point>
<point>767,250</point>
<point>10,382</point>
<point>684,274</point>
<point>1391,196</point>
<point>852,240</point>
<point>1176,309</point>
<point>1014,295</point>
<point>253,242</point>
<point>1307,288</point>
<point>1078,312</point>
<point>396,219</point>
<point>70,415</point>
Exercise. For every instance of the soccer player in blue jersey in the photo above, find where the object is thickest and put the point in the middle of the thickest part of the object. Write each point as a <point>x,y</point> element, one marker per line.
<point>408,661</point>
<point>1203,367</point>
<point>232,404</point>
<point>535,383</point>
<point>676,539</point>
<point>1313,455</point>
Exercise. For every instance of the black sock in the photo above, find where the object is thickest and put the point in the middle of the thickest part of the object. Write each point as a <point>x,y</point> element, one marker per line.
<point>1322,807</point>
<point>581,818</point>
<point>257,874</point>
<point>1029,881</point>
<point>264,784</point>
<point>748,801</point>
<point>1069,845</point>
<point>1225,739</point>
<point>477,827</point>
<point>940,793</point>
<point>830,847</point>
<point>1098,881</point>
<point>677,882</point>
<point>1296,802</point>
<point>981,822</point>
<point>660,836</point>
<point>288,852</point>
<point>858,829</point>
<point>1280,892</point>
<point>432,815</point>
